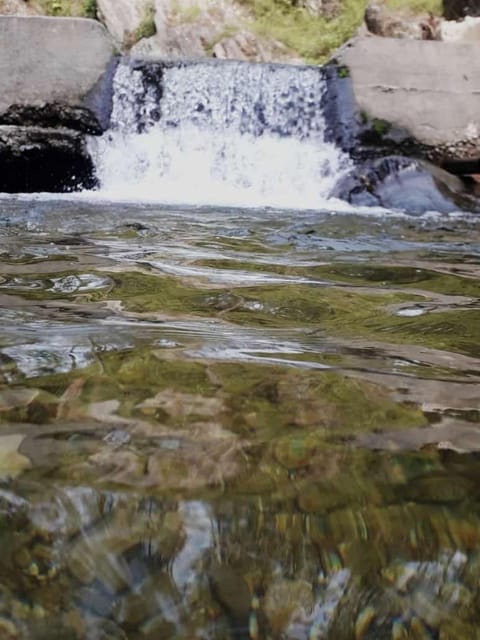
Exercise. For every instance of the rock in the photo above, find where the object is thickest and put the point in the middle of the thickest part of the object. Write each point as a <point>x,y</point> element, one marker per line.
<point>181,405</point>
<point>202,28</point>
<point>19,8</point>
<point>12,463</point>
<point>363,622</point>
<point>287,600</point>
<point>55,60</point>
<point>232,592</point>
<point>41,159</point>
<point>327,8</point>
<point>245,45</point>
<point>382,22</point>
<point>401,183</point>
<point>27,405</point>
<point>125,19</point>
<point>403,83</point>
<point>8,630</point>
<point>52,115</point>
<point>458,9</point>
<point>418,631</point>
<point>185,29</point>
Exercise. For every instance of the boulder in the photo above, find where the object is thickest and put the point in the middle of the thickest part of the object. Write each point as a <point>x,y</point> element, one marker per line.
<point>202,28</point>
<point>42,159</point>
<point>126,20</point>
<point>428,89</point>
<point>66,61</point>
<point>389,24</point>
<point>186,28</point>
<point>396,182</point>
<point>458,9</point>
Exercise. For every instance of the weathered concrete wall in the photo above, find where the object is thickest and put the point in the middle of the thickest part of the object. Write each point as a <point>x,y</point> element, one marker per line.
<point>431,89</point>
<point>45,60</point>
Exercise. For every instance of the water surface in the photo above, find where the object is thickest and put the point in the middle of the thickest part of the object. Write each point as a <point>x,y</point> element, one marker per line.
<point>226,423</point>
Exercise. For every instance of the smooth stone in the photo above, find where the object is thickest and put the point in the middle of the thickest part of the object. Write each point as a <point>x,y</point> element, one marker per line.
<point>397,182</point>
<point>286,600</point>
<point>12,463</point>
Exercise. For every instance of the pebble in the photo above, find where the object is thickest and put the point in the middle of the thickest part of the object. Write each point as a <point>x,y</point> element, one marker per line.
<point>363,622</point>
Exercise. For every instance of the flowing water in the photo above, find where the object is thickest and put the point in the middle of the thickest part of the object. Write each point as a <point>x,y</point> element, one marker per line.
<point>235,420</point>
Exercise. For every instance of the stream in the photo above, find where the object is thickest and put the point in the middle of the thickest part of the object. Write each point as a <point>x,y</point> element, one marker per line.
<point>229,419</point>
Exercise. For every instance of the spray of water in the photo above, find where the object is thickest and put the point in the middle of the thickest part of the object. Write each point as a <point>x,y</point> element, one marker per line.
<point>219,134</point>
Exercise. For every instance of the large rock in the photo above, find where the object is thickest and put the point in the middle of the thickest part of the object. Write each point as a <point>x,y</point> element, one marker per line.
<point>187,28</point>
<point>429,89</point>
<point>380,21</point>
<point>401,183</point>
<point>39,159</point>
<point>125,19</point>
<point>202,28</point>
<point>55,60</point>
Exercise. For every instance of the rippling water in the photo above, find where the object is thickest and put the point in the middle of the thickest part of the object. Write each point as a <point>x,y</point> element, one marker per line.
<point>224,423</point>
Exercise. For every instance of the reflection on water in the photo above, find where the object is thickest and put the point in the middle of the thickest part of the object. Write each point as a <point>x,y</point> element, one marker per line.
<point>238,425</point>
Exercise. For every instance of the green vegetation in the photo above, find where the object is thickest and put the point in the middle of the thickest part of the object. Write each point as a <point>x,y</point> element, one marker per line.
<point>314,38</point>
<point>77,8</point>
<point>416,6</point>
<point>146,28</point>
<point>90,8</point>
<point>311,37</point>
<point>185,14</point>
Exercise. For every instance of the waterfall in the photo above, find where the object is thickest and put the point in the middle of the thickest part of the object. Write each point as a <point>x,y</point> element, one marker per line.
<point>218,133</point>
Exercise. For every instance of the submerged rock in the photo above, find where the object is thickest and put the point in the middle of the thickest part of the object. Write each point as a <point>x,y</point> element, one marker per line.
<point>402,183</point>
<point>44,159</point>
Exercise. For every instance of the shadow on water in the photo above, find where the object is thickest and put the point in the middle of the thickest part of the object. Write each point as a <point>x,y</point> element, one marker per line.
<point>234,425</point>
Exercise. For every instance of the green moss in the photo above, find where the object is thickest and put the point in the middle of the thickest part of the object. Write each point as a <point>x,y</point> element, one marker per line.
<point>146,28</point>
<point>75,8</point>
<point>381,127</point>
<point>316,405</point>
<point>90,9</point>
<point>399,277</point>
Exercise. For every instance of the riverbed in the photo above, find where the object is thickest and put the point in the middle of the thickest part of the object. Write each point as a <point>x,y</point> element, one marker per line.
<point>238,423</point>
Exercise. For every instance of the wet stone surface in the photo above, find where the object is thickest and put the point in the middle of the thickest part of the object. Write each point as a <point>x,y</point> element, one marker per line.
<point>221,425</point>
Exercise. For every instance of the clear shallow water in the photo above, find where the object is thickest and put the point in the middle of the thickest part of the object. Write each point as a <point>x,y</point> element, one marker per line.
<point>226,423</point>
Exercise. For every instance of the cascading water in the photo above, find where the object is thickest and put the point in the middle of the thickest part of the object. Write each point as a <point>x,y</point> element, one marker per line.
<point>229,133</point>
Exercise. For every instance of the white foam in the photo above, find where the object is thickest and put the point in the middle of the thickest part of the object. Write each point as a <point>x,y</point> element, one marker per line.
<point>192,166</point>
<point>228,135</point>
